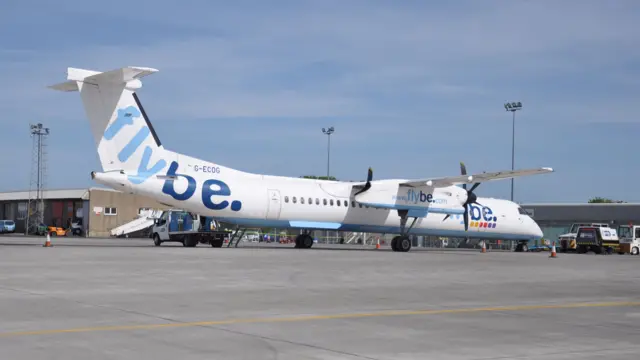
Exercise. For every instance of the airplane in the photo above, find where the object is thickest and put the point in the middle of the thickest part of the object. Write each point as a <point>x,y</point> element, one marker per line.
<point>134,161</point>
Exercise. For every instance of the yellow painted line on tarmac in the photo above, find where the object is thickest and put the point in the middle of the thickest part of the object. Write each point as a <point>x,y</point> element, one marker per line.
<point>319,317</point>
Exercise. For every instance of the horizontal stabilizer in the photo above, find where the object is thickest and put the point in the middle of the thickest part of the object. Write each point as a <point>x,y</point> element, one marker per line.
<point>125,75</point>
<point>66,86</point>
<point>118,76</point>
<point>476,178</point>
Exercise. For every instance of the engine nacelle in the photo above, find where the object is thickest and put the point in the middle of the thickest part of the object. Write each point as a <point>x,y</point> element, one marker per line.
<point>394,196</point>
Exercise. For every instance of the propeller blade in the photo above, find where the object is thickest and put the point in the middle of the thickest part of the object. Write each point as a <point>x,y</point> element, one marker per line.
<point>446,217</point>
<point>463,171</point>
<point>466,218</point>
<point>474,187</point>
<point>367,186</point>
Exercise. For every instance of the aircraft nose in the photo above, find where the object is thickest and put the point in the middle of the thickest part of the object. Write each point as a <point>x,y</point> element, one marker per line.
<point>537,231</point>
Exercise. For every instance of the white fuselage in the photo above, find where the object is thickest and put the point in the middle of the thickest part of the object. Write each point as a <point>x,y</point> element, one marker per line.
<point>254,200</point>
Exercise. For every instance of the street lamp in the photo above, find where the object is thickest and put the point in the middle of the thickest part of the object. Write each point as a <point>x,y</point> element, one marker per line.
<point>513,107</point>
<point>328,132</point>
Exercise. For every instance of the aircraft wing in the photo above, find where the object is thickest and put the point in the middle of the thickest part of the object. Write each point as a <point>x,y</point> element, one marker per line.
<point>476,178</point>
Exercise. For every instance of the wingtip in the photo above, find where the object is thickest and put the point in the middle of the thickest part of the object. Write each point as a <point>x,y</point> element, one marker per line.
<point>144,68</point>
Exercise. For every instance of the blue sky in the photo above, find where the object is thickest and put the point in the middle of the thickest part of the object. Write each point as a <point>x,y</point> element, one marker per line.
<point>411,87</point>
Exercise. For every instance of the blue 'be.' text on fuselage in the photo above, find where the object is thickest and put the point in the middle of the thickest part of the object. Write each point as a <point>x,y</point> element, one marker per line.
<point>208,190</point>
<point>478,213</point>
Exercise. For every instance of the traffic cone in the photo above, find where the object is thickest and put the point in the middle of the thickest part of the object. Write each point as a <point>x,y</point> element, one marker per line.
<point>47,243</point>
<point>553,250</point>
<point>484,247</point>
<point>378,244</point>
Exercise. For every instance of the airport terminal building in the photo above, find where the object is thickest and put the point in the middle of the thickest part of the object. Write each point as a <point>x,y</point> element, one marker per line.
<point>556,219</point>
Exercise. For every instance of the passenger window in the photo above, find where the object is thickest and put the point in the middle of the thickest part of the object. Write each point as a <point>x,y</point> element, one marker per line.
<point>353,203</point>
<point>331,202</point>
<point>346,203</point>
<point>301,200</point>
<point>338,202</point>
<point>310,201</point>
<point>324,201</point>
<point>294,199</point>
<point>317,201</point>
<point>286,199</point>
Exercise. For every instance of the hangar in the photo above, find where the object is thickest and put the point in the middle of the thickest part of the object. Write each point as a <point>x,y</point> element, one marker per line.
<point>556,219</point>
<point>97,209</point>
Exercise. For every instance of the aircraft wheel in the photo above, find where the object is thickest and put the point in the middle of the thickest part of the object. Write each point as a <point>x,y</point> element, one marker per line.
<point>307,242</point>
<point>401,243</point>
<point>304,241</point>
<point>404,244</point>
<point>394,243</point>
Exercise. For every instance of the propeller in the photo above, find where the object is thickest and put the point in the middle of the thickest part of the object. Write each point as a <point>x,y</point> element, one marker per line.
<point>471,198</point>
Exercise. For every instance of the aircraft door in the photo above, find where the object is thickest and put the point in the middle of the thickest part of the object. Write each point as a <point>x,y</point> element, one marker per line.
<point>274,204</point>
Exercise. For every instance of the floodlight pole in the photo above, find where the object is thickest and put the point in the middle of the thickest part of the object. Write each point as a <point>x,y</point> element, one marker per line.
<point>513,107</point>
<point>328,132</point>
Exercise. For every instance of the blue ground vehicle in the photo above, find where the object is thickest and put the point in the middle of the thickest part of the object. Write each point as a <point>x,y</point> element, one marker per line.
<point>7,226</point>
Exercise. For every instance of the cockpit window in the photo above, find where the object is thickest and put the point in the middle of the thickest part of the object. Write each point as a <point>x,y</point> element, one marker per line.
<point>521,211</point>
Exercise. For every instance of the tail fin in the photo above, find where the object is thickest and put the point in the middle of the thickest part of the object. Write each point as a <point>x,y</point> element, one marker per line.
<point>122,132</point>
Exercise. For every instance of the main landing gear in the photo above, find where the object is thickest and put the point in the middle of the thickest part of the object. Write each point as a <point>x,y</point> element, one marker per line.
<point>304,241</point>
<point>402,242</point>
